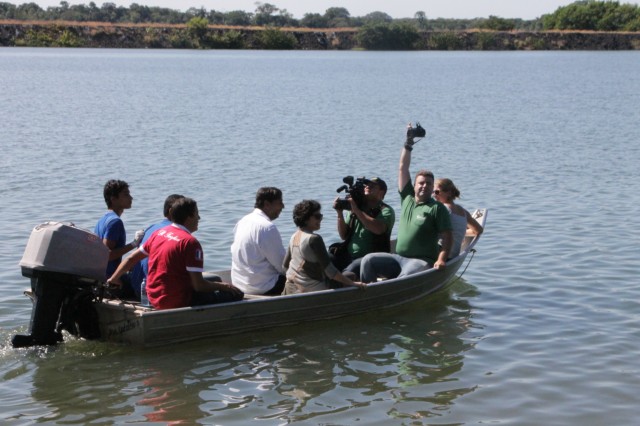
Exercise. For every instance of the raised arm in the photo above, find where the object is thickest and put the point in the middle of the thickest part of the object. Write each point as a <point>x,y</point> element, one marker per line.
<point>405,161</point>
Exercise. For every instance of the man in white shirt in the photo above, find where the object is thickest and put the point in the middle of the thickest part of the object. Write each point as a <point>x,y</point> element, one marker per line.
<point>257,252</point>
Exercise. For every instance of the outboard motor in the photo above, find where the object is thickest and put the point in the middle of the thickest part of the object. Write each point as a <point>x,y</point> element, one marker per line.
<point>66,265</point>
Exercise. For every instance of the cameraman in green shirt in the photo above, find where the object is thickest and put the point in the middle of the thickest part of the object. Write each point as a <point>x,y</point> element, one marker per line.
<point>366,228</point>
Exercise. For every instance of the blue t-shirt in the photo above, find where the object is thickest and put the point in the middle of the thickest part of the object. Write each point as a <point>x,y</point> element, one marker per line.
<point>110,227</point>
<point>140,271</point>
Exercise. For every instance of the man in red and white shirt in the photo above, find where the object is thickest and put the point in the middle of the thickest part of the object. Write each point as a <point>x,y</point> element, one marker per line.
<point>176,263</point>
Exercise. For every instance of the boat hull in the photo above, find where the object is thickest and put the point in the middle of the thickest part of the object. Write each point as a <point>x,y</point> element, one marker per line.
<point>134,325</point>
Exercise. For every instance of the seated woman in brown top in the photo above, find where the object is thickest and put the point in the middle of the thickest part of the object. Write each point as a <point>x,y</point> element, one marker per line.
<point>307,263</point>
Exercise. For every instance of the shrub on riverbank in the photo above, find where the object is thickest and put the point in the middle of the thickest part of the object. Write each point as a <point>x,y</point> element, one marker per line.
<point>396,36</point>
<point>275,39</point>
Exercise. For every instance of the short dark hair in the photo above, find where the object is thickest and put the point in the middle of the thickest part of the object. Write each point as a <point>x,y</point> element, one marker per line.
<point>267,193</point>
<point>113,188</point>
<point>425,173</point>
<point>182,209</point>
<point>303,211</point>
<point>168,203</point>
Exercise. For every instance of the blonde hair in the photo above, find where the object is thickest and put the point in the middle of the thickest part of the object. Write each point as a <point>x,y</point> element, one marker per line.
<point>447,185</point>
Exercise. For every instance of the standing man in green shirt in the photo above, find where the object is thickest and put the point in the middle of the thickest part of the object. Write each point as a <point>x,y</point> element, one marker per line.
<point>422,222</point>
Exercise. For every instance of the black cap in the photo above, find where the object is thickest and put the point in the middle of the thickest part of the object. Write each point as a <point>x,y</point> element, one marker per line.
<point>377,181</point>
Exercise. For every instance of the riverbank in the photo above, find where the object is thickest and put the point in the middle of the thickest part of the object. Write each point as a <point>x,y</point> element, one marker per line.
<point>164,36</point>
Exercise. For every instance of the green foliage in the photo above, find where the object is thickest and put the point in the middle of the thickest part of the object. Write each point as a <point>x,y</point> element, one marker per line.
<point>153,37</point>
<point>198,26</point>
<point>593,15</point>
<point>32,38</point>
<point>446,40</point>
<point>535,43</point>
<point>421,19</point>
<point>633,25</point>
<point>397,36</point>
<point>68,38</point>
<point>337,13</point>
<point>7,10</point>
<point>29,11</point>
<point>377,18</point>
<point>266,15</point>
<point>182,40</point>
<point>495,23</point>
<point>314,20</point>
<point>50,36</point>
<point>486,41</point>
<point>338,17</point>
<point>226,40</point>
<point>276,39</point>
<point>237,17</point>
<point>198,29</point>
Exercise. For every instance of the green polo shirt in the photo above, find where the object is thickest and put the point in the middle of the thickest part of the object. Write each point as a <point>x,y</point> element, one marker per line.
<point>362,241</point>
<point>420,225</point>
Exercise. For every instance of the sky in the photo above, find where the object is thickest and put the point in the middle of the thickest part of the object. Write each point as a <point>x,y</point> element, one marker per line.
<point>462,9</point>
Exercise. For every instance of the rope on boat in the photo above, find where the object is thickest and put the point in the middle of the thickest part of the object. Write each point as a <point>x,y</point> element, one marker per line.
<point>473,252</point>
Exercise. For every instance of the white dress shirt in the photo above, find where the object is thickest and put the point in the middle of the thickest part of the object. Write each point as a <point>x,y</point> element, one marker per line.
<point>257,253</point>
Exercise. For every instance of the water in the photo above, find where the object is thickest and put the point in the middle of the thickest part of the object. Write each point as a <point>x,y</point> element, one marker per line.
<point>543,329</point>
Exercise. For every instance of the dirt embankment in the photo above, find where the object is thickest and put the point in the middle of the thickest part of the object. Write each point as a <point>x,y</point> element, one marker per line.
<point>106,35</point>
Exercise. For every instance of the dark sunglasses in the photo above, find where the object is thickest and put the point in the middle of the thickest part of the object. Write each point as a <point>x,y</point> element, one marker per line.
<point>438,191</point>
<point>318,216</point>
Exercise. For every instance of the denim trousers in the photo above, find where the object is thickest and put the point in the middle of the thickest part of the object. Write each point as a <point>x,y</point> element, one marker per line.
<point>389,265</point>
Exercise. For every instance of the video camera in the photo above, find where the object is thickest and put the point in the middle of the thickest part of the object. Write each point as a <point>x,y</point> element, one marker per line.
<point>416,132</point>
<point>355,188</point>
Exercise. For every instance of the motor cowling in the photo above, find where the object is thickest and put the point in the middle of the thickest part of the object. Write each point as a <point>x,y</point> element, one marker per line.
<point>66,265</point>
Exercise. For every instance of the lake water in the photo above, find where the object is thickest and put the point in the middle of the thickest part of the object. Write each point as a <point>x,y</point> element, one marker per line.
<point>544,328</point>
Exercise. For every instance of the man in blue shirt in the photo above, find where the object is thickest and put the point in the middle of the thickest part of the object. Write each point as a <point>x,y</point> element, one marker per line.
<point>110,228</point>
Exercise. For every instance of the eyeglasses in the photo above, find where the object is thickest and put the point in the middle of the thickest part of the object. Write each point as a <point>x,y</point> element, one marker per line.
<point>438,191</point>
<point>318,216</point>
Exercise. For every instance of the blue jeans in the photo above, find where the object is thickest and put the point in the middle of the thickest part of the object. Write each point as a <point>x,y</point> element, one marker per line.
<point>389,265</point>
<point>354,267</point>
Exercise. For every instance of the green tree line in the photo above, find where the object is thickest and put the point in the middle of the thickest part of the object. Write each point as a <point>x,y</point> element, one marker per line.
<point>265,14</point>
<point>581,15</point>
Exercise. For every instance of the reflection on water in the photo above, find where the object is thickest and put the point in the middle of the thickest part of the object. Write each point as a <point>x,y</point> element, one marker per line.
<point>168,399</point>
<point>404,361</point>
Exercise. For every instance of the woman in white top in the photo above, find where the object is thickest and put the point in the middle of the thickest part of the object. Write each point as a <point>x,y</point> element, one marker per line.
<point>461,220</point>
